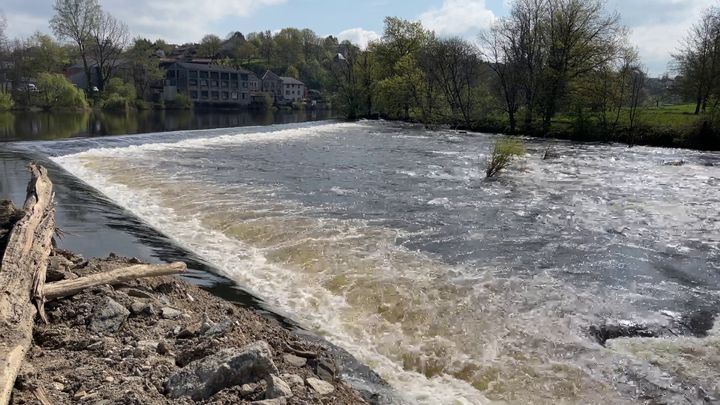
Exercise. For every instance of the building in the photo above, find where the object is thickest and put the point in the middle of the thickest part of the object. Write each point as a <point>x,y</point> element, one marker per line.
<point>208,84</point>
<point>283,89</point>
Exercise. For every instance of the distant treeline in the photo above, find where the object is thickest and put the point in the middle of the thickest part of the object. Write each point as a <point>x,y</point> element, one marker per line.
<point>563,68</point>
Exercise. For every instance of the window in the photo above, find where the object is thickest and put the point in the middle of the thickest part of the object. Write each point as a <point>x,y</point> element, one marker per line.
<point>213,83</point>
<point>224,84</point>
<point>233,85</point>
<point>193,74</point>
<point>244,95</point>
<point>214,75</point>
<point>170,74</point>
<point>203,75</point>
<point>245,85</point>
<point>203,83</point>
<point>204,95</point>
<point>225,76</point>
<point>193,82</point>
<point>233,95</point>
<point>224,95</point>
<point>287,92</point>
<point>243,77</point>
<point>233,76</point>
<point>214,95</point>
<point>194,95</point>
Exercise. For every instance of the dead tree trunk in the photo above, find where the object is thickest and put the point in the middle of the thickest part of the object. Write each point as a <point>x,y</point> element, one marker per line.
<point>70,287</point>
<point>22,276</point>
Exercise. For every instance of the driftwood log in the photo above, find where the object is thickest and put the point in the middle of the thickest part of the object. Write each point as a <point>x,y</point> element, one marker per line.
<point>26,236</point>
<point>65,288</point>
<point>22,276</point>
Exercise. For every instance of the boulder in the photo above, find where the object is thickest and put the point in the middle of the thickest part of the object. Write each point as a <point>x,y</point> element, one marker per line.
<point>108,316</point>
<point>227,368</point>
<point>294,360</point>
<point>320,386</point>
<point>277,388</point>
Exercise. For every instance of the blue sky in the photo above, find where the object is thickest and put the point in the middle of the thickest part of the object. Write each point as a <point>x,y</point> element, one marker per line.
<point>656,25</point>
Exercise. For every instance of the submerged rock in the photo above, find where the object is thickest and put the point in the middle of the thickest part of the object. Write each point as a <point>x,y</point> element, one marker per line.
<point>229,367</point>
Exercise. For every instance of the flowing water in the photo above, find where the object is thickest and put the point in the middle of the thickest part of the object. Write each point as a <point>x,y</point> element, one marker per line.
<point>387,240</point>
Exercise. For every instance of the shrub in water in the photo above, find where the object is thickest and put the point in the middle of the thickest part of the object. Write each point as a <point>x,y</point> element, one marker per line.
<point>503,152</point>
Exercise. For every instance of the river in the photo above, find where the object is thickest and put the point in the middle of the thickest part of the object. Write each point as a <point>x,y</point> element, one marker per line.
<point>387,240</point>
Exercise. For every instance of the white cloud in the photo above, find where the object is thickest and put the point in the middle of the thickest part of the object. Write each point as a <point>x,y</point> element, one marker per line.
<point>458,17</point>
<point>658,26</point>
<point>180,20</point>
<point>359,36</point>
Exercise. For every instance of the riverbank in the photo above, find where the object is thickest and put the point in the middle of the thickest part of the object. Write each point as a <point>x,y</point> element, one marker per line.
<point>162,340</point>
<point>673,126</point>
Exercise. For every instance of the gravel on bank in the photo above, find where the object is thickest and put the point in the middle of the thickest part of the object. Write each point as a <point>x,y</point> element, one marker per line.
<point>165,341</point>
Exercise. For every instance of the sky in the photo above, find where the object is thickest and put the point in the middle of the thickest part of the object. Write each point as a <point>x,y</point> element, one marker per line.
<point>656,26</point>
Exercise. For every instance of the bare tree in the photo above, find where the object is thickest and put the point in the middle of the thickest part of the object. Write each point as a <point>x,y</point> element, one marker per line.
<point>454,66</point>
<point>698,61</point>
<point>110,37</point>
<point>75,20</point>
<point>499,48</point>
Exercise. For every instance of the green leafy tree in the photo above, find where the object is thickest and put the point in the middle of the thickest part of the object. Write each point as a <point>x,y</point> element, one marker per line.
<point>145,65</point>
<point>46,54</point>
<point>6,101</point>
<point>58,93</point>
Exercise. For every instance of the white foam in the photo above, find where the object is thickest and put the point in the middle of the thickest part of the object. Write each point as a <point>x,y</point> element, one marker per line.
<point>316,308</point>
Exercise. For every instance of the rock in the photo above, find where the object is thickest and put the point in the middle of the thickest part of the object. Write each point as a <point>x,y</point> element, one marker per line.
<point>170,313</point>
<point>228,367</point>
<point>247,389</point>
<point>218,329</point>
<point>325,369</point>
<point>162,348</point>
<point>293,379</point>
<point>109,379</point>
<point>189,331</point>
<point>277,388</point>
<point>320,386</point>
<point>79,395</point>
<point>294,360</point>
<point>142,308</point>
<point>137,293</point>
<point>275,401</point>
<point>58,386</point>
<point>108,316</point>
<point>147,345</point>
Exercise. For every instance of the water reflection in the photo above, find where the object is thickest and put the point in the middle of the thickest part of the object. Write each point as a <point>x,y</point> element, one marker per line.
<point>27,126</point>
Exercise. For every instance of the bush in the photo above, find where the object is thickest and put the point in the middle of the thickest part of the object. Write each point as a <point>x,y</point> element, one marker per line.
<point>267,101</point>
<point>115,102</point>
<point>118,95</point>
<point>183,102</point>
<point>504,151</point>
<point>116,86</point>
<point>6,101</point>
<point>298,105</point>
<point>58,92</point>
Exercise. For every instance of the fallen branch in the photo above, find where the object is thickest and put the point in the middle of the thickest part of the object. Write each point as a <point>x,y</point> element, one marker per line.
<point>22,276</point>
<point>70,287</point>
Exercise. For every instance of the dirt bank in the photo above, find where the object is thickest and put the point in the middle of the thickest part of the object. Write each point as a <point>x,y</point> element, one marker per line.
<point>162,340</point>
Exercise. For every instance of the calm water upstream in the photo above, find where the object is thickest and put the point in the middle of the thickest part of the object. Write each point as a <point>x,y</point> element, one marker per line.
<point>387,240</point>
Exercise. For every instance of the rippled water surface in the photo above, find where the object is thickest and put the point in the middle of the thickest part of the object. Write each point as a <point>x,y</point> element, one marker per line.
<point>388,240</point>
